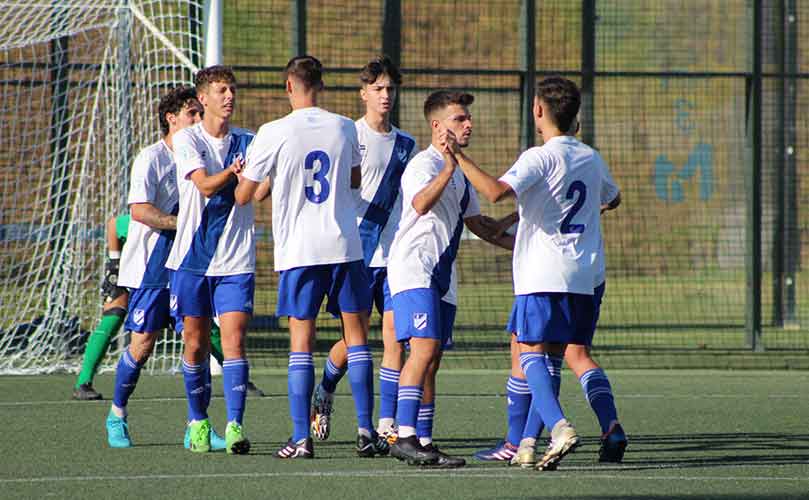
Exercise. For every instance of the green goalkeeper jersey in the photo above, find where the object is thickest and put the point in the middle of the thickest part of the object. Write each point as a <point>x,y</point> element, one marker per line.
<point>122,226</point>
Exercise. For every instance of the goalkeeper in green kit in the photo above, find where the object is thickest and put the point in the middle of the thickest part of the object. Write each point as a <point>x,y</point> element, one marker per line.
<point>114,314</point>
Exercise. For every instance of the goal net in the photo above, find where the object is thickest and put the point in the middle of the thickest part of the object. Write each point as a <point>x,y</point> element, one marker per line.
<point>80,84</point>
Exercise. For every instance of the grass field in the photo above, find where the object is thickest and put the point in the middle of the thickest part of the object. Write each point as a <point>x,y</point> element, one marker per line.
<point>693,434</point>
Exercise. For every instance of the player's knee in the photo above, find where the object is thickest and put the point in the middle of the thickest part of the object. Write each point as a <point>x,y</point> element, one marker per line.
<point>142,346</point>
<point>424,351</point>
<point>393,350</point>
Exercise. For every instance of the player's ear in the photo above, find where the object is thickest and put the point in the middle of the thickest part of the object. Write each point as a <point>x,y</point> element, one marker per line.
<point>289,86</point>
<point>363,94</point>
<point>537,108</point>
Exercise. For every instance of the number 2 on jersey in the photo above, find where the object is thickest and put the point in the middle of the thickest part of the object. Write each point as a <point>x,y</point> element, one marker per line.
<point>319,177</point>
<point>580,188</point>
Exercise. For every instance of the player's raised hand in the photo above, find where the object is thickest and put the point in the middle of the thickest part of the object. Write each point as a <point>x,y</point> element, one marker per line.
<point>450,142</point>
<point>445,139</point>
<point>237,166</point>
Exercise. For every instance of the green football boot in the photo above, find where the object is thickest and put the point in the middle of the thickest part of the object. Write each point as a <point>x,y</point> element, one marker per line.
<point>200,432</point>
<point>235,442</point>
<point>217,441</point>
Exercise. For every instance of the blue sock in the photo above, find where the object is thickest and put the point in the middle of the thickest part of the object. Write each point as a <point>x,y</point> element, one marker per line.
<point>126,378</point>
<point>361,376</point>
<point>208,387</point>
<point>424,424</point>
<point>388,392</point>
<point>539,380</point>
<point>300,383</point>
<point>534,425</point>
<point>554,363</point>
<point>519,402</point>
<point>234,380</point>
<point>407,409</point>
<point>331,376</point>
<point>194,377</point>
<point>598,392</point>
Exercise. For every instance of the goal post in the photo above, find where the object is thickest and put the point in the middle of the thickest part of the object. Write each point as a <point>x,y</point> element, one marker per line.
<point>79,86</point>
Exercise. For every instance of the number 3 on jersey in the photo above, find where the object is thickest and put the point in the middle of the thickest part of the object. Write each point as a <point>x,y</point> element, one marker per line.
<point>319,177</point>
<point>580,188</point>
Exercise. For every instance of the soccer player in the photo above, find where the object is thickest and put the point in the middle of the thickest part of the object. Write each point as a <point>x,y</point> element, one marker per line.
<point>213,256</point>
<point>437,201</point>
<point>558,187</point>
<point>385,152</point>
<point>312,159</point>
<point>116,299</point>
<point>114,311</point>
<point>596,387</point>
<point>153,202</point>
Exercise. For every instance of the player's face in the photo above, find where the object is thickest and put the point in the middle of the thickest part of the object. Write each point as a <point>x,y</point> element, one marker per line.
<point>189,115</point>
<point>219,99</point>
<point>380,95</point>
<point>457,119</point>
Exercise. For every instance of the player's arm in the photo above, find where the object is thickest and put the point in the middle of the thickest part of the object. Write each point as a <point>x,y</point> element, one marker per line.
<point>503,225</point>
<point>612,205</point>
<point>428,196</point>
<point>482,227</point>
<point>490,187</point>
<point>209,185</point>
<point>263,191</point>
<point>148,214</point>
<point>113,243</point>
<point>246,190</point>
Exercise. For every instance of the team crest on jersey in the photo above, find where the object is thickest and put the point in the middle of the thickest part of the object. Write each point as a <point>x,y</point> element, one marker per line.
<point>401,152</point>
<point>173,302</point>
<point>248,304</point>
<point>138,317</point>
<point>420,321</point>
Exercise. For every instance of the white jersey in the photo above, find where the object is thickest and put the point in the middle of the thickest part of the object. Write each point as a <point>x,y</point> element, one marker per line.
<point>308,156</point>
<point>379,201</point>
<point>143,259</point>
<point>559,188</point>
<point>424,249</point>
<point>609,190</point>
<point>214,235</point>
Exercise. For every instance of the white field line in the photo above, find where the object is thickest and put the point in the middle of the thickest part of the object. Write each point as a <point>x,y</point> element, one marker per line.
<point>417,473</point>
<point>445,396</point>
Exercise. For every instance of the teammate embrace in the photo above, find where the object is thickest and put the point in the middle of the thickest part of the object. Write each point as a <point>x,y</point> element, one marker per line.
<point>360,219</point>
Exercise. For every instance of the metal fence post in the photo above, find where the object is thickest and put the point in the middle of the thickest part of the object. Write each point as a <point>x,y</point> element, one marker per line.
<point>753,177</point>
<point>792,240</point>
<point>298,42</point>
<point>528,77</point>
<point>392,41</point>
<point>588,68</point>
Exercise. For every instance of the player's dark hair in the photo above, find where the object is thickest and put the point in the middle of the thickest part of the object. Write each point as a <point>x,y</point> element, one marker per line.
<point>213,74</point>
<point>307,70</point>
<point>442,98</point>
<point>173,102</point>
<point>379,66</point>
<point>562,100</point>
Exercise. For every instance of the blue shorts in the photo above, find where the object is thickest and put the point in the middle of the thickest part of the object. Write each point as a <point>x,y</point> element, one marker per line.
<point>421,313</point>
<point>301,290</point>
<point>208,296</point>
<point>559,318</point>
<point>380,292</point>
<point>148,310</point>
<point>178,320</point>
